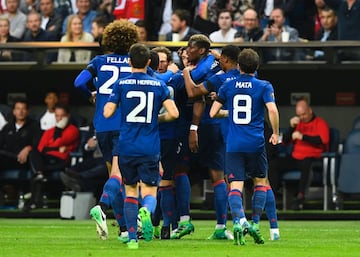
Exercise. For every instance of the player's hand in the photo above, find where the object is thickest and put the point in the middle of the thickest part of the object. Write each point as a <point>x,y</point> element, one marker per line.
<point>294,121</point>
<point>62,149</point>
<point>297,135</point>
<point>274,139</point>
<point>215,53</point>
<point>193,141</point>
<point>173,67</point>
<point>23,155</point>
<point>92,142</point>
<point>92,98</point>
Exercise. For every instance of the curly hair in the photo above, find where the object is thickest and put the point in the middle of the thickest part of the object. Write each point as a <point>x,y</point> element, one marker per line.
<point>118,36</point>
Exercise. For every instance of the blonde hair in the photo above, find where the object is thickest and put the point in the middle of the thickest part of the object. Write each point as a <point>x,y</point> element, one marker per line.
<point>68,34</point>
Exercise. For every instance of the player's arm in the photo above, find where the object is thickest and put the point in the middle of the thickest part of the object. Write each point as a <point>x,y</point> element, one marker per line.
<point>171,113</point>
<point>192,89</point>
<point>215,110</point>
<point>82,80</point>
<point>274,121</point>
<point>198,110</point>
<point>109,109</point>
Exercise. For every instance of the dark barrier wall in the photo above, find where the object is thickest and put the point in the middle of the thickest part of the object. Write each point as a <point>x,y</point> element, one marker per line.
<point>322,83</point>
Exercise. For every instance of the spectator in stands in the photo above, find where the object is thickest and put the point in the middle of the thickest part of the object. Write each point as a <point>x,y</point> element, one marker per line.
<point>16,17</point>
<point>277,31</point>
<point>34,33</point>
<point>89,175</point>
<point>52,153</point>
<point>97,27</point>
<point>47,118</point>
<point>226,32</point>
<point>75,33</point>
<point>309,135</point>
<point>141,26</point>
<point>105,10</point>
<point>84,13</point>
<point>180,25</point>
<point>265,7</point>
<point>27,6</point>
<point>328,31</point>
<point>51,21</point>
<point>319,5</point>
<point>348,24</point>
<point>18,137</point>
<point>251,31</point>
<point>7,55</point>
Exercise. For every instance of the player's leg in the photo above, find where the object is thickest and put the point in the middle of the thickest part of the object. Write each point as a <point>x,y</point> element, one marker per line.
<point>211,154</point>
<point>148,170</point>
<point>271,212</point>
<point>166,186</point>
<point>182,190</point>
<point>235,172</point>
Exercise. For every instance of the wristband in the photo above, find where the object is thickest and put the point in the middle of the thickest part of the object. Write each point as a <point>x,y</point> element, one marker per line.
<point>194,127</point>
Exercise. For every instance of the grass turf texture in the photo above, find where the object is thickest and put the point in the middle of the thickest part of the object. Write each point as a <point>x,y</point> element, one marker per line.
<point>70,238</point>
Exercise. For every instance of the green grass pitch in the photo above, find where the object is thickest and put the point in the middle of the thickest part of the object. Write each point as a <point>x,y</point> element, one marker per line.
<point>70,238</point>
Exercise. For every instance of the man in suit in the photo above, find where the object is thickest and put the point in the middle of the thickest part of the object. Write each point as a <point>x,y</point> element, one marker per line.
<point>180,24</point>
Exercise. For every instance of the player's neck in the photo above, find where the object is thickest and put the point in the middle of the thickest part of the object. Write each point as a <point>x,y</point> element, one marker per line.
<point>143,70</point>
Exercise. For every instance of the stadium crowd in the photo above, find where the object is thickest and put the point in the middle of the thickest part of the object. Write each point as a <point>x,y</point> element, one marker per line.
<point>222,21</point>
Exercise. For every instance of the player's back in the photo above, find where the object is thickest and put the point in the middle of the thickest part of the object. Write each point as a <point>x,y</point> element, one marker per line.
<point>246,97</point>
<point>108,69</point>
<point>141,97</point>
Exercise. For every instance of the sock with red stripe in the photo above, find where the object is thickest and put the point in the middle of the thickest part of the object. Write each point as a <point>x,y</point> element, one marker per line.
<point>220,195</point>
<point>236,206</point>
<point>131,211</point>
<point>270,208</point>
<point>258,202</point>
<point>167,204</point>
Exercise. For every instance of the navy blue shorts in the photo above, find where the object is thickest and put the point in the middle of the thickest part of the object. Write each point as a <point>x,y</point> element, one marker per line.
<point>211,146</point>
<point>241,166</point>
<point>136,168</point>
<point>109,144</point>
<point>168,158</point>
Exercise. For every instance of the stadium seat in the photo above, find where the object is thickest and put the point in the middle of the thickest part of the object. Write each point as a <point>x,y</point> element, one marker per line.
<point>349,175</point>
<point>323,172</point>
<point>356,123</point>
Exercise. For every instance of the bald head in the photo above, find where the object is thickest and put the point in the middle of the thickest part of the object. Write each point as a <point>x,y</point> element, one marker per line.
<point>303,111</point>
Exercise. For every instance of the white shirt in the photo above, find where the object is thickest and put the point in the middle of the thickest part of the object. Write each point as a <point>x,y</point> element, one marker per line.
<point>217,36</point>
<point>166,18</point>
<point>44,21</point>
<point>48,120</point>
<point>2,121</point>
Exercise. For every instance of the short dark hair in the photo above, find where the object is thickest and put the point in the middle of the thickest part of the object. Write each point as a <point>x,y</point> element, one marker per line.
<point>165,50</point>
<point>154,57</point>
<point>63,106</point>
<point>22,100</point>
<point>140,23</point>
<point>184,15</point>
<point>226,11</point>
<point>101,21</point>
<point>139,55</point>
<point>231,51</point>
<point>248,60</point>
